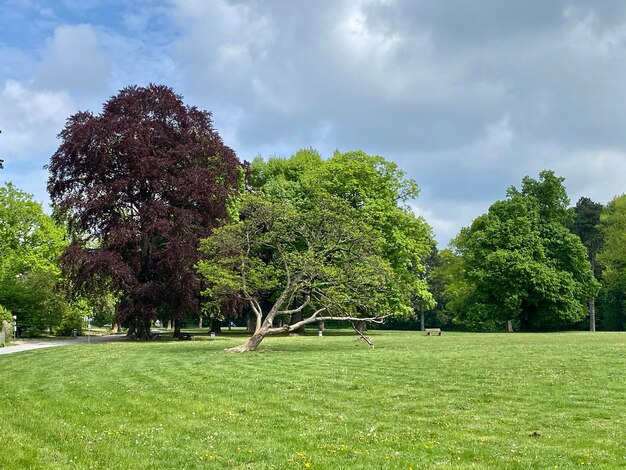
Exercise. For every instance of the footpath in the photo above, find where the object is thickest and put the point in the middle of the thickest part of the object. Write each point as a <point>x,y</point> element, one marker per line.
<point>21,345</point>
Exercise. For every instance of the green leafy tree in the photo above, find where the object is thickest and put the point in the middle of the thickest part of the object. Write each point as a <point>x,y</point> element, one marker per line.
<point>522,262</point>
<point>374,188</point>
<point>613,259</point>
<point>585,223</point>
<point>450,287</point>
<point>324,262</point>
<point>30,245</point>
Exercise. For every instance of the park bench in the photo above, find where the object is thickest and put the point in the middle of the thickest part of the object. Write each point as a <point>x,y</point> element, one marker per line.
<point>185,337</point>
<point>430,331</point>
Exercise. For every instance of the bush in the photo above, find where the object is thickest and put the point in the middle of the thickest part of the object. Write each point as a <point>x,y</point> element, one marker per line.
<point>32,332</point>
<point>72,320</point>
<point>6,324</point>
<point>5,315</point>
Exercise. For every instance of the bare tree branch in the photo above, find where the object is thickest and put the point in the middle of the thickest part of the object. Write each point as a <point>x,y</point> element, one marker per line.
<point>295,310</point>
<point>315,318</point>
<point>363,337</point>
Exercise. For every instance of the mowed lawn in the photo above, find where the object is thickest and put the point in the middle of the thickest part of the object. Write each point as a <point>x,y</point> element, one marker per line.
<point>456,401</point>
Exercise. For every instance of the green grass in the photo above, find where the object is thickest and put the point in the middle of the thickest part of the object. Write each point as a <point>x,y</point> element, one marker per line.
<point>458,401</point>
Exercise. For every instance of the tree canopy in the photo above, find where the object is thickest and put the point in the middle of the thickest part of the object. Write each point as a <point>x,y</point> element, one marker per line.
<point>328,239</point>
<point>522,263</point>
<point>375,188</point>
<point>30,245</point>
<point>138,186</point>
<point>613,259</point>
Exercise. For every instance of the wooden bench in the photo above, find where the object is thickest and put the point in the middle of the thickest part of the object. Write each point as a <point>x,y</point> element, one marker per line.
<point>185,337</point>
<point>430,331</point>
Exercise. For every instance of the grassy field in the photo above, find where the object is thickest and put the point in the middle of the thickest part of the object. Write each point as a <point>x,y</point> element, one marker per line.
<point>458,401</point>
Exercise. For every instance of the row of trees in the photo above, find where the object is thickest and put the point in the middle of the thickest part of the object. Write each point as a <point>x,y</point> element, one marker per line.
<point>534,263</point>
<point>155,217</point>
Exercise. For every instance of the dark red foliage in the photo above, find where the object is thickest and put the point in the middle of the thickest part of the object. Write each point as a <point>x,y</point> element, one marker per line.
<point>139,185</point>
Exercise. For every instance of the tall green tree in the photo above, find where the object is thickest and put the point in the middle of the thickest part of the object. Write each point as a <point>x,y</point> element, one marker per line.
<point>341,226</point>
<point>324,263</point>
<point>613,259</point>
<point>523,263</point>
<point>378,192</point>
<point>30,245</point>
<point>586,224</point>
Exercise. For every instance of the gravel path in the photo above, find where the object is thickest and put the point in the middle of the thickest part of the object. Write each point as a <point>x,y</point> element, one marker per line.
<point>38,344</point>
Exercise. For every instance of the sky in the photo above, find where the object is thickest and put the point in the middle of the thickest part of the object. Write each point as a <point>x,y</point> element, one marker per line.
<point>468,97</point>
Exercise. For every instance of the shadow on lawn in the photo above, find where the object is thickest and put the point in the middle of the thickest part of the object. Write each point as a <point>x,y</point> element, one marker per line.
<point>221,341</point>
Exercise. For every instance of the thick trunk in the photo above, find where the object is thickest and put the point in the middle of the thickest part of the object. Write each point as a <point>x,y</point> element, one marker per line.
<point>200,323</point>
<point>509,326</point>
<point>295,318</point>
<point>422,319</point>
<point>251,344</point>
<point>177,325</point>
<point>139,329</point>
<point>216,327</point>
<point>361,326</point>
<point>169,324</point>
<point>320,326</point>
<point>592,315</point>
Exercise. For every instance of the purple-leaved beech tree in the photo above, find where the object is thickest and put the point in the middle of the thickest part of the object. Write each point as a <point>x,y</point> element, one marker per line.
<point>138,186</point>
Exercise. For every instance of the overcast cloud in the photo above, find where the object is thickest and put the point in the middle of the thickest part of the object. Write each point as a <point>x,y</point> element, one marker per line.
<point>467,96</point>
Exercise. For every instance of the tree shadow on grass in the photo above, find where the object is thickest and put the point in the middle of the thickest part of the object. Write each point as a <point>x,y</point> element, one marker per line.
<point>225,340</point>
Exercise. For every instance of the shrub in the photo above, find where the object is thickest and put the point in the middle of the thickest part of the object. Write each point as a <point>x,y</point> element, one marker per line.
<point>5,315</point>
<point>32,332</point>
<point>72,320</point>
<point>6,324</point>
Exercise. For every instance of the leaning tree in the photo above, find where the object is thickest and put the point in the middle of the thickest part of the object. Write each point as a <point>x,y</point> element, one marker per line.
<point>377,193</point>
<point>325,262</point>
<point>138,186</point>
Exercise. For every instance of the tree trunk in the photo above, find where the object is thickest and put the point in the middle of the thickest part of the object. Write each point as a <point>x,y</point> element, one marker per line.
<point>139,329</point>
<point>169,324</point>
<point>117,328</point>
<point>131,330</point>
<point>592,315</point>
<point>320,326</point>
<point>422,327</point>
<point>200,323</point>
<point>361,326</point>
<point>251,324</point>
<point>295,318</point>
<point>216,326</point>
<point>177,325</point>
<point>509,326</point>
<point>251,344</point>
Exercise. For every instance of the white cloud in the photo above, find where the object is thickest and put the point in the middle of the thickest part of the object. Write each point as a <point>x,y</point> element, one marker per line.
<point>74,61</point>
<point>30,120</point>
